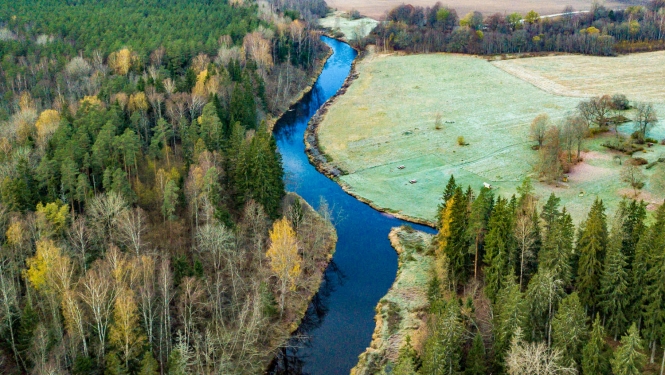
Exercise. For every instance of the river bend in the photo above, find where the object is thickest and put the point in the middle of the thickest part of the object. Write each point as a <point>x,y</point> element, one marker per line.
<point>340,320</point>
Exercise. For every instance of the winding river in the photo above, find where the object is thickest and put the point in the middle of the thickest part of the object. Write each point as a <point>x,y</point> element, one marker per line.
<point>340,319</point>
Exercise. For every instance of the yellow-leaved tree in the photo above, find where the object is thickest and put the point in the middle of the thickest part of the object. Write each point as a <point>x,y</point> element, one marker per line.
<point>441,260</point>
<point>121,61</point>
<point>125,334</point>
<point>46,125</point>
<point>49,270</point>
<point>51,218</point>
<point>200,87</point>
<point>284,258</point>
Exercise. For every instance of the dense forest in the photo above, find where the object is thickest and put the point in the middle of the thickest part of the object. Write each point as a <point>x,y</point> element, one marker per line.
<point>518,289</point>
<point>601,31</point>
<point>144,226</point>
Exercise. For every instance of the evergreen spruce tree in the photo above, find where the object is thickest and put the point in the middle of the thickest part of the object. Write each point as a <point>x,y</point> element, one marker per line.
<point>569,331</point>
<point>499,244</point>
<point>266,184</point>
<point>557,252</point>
<point>613,298</point>
<point>149,365</point>
<point>633,228</point>
<point>481,208</point>
<point>532,263</point>
<point>550,212</point>
<point>443,348</point>
<point>510,314</point>
<point>475,360</point>
<point>211,129</point>
<point>543,295</point>
<point>628,358</point>
<point>591,248</point>
<point>447,194</point>
<point>649,246</point>
<point>457,248</point>
<point>595,359</point>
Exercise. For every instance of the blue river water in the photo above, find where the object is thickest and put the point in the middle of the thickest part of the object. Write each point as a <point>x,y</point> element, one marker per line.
<point>340,320</point>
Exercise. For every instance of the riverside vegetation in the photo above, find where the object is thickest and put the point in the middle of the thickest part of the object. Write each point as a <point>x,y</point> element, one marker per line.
<point>144,226</point>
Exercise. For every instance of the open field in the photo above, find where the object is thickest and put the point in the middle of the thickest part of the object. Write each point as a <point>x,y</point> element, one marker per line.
<point>378,8</point>
<point>638,76</point>
<point>350,28</point>
<point>386,119</point>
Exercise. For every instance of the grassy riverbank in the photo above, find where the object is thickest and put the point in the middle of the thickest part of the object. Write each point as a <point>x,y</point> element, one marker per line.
<point>402,312</point>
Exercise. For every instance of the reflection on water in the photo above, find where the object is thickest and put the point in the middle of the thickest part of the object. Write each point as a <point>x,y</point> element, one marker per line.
<point>339,322</point>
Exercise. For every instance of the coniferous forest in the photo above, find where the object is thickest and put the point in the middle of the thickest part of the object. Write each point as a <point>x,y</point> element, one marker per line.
<point>517,288</point>
<point>143,219</point>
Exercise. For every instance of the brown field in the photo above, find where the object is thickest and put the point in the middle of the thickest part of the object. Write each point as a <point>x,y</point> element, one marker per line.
<point>636,75</point>
<point>377,8</point>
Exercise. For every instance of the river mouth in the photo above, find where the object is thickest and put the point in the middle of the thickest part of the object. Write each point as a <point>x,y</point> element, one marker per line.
<point>339,322</point>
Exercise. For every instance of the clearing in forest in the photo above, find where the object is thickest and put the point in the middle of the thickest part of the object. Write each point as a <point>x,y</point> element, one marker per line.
<point>382,134</point>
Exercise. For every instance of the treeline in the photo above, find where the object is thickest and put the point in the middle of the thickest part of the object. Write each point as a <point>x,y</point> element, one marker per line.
<point>598,32</point>
<point>144,226</point>
<point>519,289</point>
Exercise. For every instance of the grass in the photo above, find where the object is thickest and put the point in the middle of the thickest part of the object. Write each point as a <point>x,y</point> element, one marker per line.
<point>350,28</point>
<point>386,119</point>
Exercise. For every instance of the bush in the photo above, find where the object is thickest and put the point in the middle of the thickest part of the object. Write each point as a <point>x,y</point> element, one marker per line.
<point>620,102</point>
<point>460,141</point>
<point>355,14</point>
<point>637,161</point>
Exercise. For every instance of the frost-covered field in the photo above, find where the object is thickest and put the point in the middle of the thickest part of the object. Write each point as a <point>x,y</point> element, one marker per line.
<point>386,119</point>
<point>639,76</point>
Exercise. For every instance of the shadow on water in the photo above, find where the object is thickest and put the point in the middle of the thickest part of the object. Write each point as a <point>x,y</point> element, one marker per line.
<point>339,322</point>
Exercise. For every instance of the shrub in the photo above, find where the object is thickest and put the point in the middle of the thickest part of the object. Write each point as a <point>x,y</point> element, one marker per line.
<point>355,14</point>
<point>460,141</point>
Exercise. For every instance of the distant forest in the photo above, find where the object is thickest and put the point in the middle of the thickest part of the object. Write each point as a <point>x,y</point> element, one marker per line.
<point>144,226</point>
<point>601,31</point>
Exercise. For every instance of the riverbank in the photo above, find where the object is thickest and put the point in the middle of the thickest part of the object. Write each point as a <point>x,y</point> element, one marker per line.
<point>323,162</point>
<point>403,310</point>
<point>317,239</point>
<point>271,121</point>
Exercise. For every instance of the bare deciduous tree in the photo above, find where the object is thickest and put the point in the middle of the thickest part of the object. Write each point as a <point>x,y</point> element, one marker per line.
<point>536,358</point>
<point>645,119</point>
<point>131,228</point>
<point>98,292</point>
<point>632,174</point>
<point>524,235</point>
<point>104,211</point>
<point>539,127</point>
<point>79,240</point>
<point>550,165</point>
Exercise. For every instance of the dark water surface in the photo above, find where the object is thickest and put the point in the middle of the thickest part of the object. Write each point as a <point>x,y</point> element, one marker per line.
<point>340,319</point>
